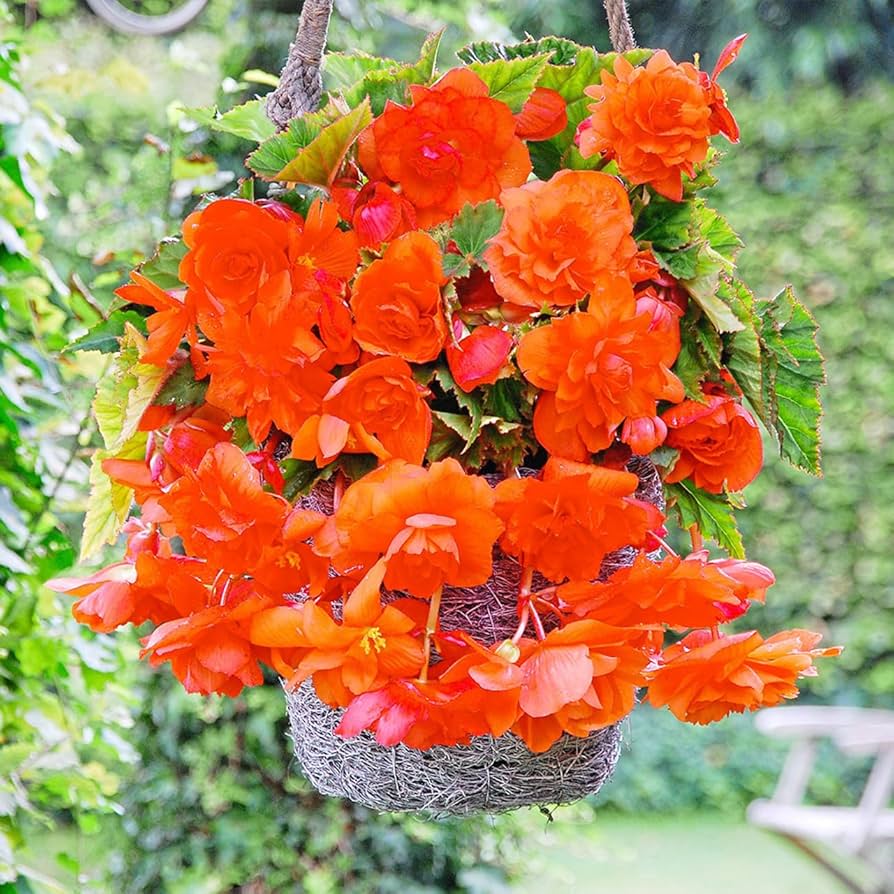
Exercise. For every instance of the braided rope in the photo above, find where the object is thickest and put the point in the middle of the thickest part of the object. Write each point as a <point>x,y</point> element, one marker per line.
<point>300,84</point>
<point>619,27</point>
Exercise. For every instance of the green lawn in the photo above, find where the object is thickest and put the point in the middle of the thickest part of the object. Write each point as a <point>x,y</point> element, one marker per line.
<point>701,854</point>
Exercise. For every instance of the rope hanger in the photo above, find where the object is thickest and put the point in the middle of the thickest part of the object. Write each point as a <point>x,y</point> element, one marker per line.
<point>301,85</point>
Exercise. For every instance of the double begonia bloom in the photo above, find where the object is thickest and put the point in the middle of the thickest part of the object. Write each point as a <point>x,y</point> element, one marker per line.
<point>565,523</point>
<point>719,442</point>
<point>379,408</point>
<point>434,526</point>
<point>562,239</point>
<point>452,145</point>
<point>397,301</point>
<point>655,121</point>
<point>268,367</point>
<point>221,511</point>
<point>683,593</point>
<point>702,678</point>
<point>238,255</point>
<point>595,370</point>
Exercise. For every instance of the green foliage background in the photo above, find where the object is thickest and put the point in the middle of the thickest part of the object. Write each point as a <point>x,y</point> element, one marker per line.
<point>208,796</point>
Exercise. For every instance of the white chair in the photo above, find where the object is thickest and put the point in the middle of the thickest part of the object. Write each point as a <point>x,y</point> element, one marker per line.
<point>864,832</point>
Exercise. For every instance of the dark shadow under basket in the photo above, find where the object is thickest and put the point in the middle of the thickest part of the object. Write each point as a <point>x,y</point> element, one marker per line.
<point>488,775</point>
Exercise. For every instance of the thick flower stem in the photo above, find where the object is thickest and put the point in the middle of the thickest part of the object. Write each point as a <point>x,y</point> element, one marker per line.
<point>431,626</point>
<point>696,537</point>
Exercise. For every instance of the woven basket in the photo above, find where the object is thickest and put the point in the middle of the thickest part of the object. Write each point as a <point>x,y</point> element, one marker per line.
<point>488,775</point>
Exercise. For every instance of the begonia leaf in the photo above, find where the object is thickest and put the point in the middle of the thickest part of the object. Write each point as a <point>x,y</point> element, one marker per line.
<point>318,162</point>
<point>125,391</point>
<point>109,502</point>
<point>343,70</point>
<point>105,335</point>
<point>277,151</point>
<point>182,389</point>
<point>163,267</point>
<point>742,349</point>
<point>248,121</point>
<point>475,226</point>
<point>793,372</point>
<point>711,513</point>
<point>511,81</point>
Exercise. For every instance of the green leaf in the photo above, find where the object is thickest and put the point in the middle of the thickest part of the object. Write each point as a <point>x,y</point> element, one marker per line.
<point>561,51</point>
<point>393,83</point>
<point>475,226</point>
<point>712,227</point>
<point>699,269</point>
<point>699,356</point>
<point>511,81</point>
<point>505,399</point>
<point>125,391</point>
<point>182,389</point>
<point>318,163</point>
<point>277,151</point>
<point>742,349</point>
<point>164,266</point>
<point>711,513</point>
<point>470,402</point>
<point>109,502</point>
<point>343,70</point>
<point>248,121</point>
<point>104,336</point>
<point>664,223</point>
<point>793,372</point>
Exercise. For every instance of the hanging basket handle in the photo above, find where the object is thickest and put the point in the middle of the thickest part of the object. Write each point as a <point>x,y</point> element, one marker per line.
<point>619,28</point>
<point>300,84</point>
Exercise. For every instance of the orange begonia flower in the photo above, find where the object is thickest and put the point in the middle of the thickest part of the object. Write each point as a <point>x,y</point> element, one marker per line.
<point>377,212</point>
<point>421,714</point>
<point>702,679</point>
<point>580,678</point>
<point>210,650</point>
<point>543,115</point>
<point>434,526</point>
<point>719,442</point>
<point>655,121</point>
<point>370,646</point>
<point>562,240</point>
<point>397,301</point>
<point>174,317</point>
<point>238,254</point>
<point>690,592</point>
<point>452,145</point>
<point>221,511</point>
<point>595,370</point>
<point>378,408</point>
<point>480,357</point>
<point>264,366</point>
<point>564,524</point>
<point>320,250</point>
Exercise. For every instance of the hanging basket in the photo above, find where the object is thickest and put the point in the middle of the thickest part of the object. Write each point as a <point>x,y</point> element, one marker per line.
<point>490,774</point>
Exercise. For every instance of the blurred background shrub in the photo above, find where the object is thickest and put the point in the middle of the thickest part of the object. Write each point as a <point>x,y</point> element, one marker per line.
<point>202,796</point>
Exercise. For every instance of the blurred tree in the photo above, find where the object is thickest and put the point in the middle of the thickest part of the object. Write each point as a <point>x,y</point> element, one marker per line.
<point>61,716</point>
